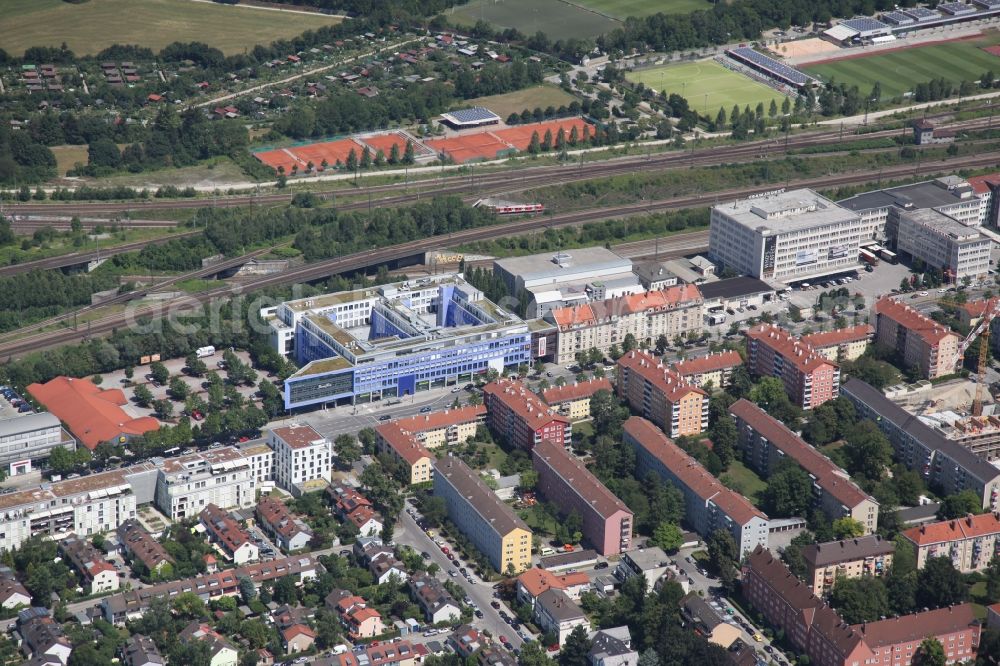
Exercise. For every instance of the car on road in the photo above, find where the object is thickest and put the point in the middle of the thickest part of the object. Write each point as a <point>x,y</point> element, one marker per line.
<point>516,626</point>
<point>426,409</point>
<point>757,637</point>
<point>456,389</point>
<point>463,571</point>
<point>384,417</point>
<point>444,549</point>
<point>601,565</point>
<point>923,293</point>
<point>425,555</point>
<point>548,374</point>
<point>768,649</point>
<point>478,613</point>
<point>452,573</point>
<point>495,604</point>
<point>508,645</point>
<point>503,639</point>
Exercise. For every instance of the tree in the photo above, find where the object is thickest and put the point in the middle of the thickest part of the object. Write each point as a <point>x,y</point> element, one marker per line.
<point>434,509</point>
<point>868,451</point>
<point>860,599</point>
<point>959,505</point>
<point>164,409</point>
<point>575,648</point>
<point>62,461</point>
<point>347,449</point>
<point>195,366</point>
<point>939,584</point>
<point>668,536</point>
<point>723,554</point>
<point>723,436</point>
<point>159,372</point>
<point>285,591</point>
<point>930,653</point>
<point>788,492</point>
<point>649,658</point>
<point>533,654</point>
<point>847,528</point>
<point>178,388</point>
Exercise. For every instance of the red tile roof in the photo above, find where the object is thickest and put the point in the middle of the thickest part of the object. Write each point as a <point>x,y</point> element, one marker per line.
<point>94,415</point>
<point>690,471</point>
<point>576,391</point>
<point>831,478</point>
<point>230,535</point>
<point>441,419</point>
<point>670,382</point>
<point>298,436</point>
<point>403,443</point>
<point>839,336</point>
<point>799,353</point>
<point>710,363</point>
<point>979,307</point>
<point>912,320</point>
<point>277,515</point>
<point>592,313</point>
<point>955,530</point>
<point>525,404</point>
<point>536,580</point>
<point>980,184</point>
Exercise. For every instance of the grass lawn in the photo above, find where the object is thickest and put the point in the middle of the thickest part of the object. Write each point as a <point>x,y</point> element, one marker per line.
<point>707,85</point>
<point>216,171</point>
<point>195,286</point>
<point>556,19</point>
<point>67,156</point>
<point>539,522</point>
<point>700,556</point>
<point>742,479</point>
<point>585,428</point>
<point>92,26</point>
<point>515,102</point>
<point>622,9</point>
<point>901,71</point>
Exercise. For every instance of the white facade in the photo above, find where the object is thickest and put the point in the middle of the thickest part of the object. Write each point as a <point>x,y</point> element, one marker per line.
<point>188,484</point>
<point>261,458</point>
<point>945,243</point>
<point>786,236</point>
<point>300,454</point>
<point>29,437</point>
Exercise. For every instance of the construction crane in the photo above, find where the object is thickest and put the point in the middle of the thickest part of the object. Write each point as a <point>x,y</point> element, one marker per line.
<point>981,330</point>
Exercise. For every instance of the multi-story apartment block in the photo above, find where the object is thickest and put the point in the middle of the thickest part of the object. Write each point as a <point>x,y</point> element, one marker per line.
<point>787,236</point>
<point>814,628</point>
<point>605,324</point>
<point>489,524</point>
<point>826,563</point>
<point>708,504</point>
<point>393,441</point>
<point>573,400</point>
<point>946,465</point>
<point>140,546</point>
<point>919,340</point>
<point>661,395</point>
<point>28,438</point>
<point>99,574</point>
<point>841,344</point>
<point>765,442</point>
<point>565,481</point>
<point>970,542</point>
<point>444,428</point>
<point>556,613</point>
<point>300,454</point>
<point>941,242</point>
<point>226,532</point>
<point>394,340</point>
<point>810,379</point>
<point>520,417</point>
<point>261,458</point>
<point>712,371</point>
<point>187,484</point>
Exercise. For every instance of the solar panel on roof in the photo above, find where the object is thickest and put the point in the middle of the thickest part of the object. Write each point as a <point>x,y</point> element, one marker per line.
<point>987,4</point>
<point>956,8</point>
<point>897,18</point>
<point>864,24</point>
<point>922,13</point>
<point>474,114</point>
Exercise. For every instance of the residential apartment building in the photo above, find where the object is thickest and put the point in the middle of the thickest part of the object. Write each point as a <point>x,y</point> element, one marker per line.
<point>140,650</point>
<point>402,446</point>
<point>261,458</point>
<point>841,344</point>
<point>661,395</point>
<point>565,481</point>
<point>941,242</point>
<point>518,416</point>
<point>573,400</point>
<point>612,647</point>
<point>765,442</point>
<point>140,546</point>
<point>536,580</point>
<point>300,454</point>
<point>230,537</point>
<point>437,603</point>
<point>848,558</point>
<point>970,542</point>
<point>187,484</point>
<point>489,524</point>
<point>787,236</point>
<point>712,371</point>
<point>444,428</point>
<point>605,324</point>
<point>98,574</point>
<point>708,504</point>
<point>26,439</point>
<point>810,379</point>
<point>651,562</point>
<point>556,613</point>
<point>947,466</point>
<point>289,533</point>
<point>814,628</point>
<point>919,340</point>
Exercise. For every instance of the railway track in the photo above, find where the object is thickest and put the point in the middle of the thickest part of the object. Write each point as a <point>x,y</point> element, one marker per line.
<point>361,260</point>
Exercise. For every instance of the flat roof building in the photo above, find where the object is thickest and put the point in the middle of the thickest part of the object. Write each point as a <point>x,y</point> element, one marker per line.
<point>565,481</point>
<point>941,242</point>
<point>946,465</point>
<point>765,442</point>
<point>789,236</point>
<point>394,340</point>
<point>29,438</point>
<point>708,504</point>
<point>489,524</point>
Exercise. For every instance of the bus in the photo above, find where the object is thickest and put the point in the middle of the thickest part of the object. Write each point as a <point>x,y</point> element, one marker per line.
<point>868,257</point>
<point>889,257</point>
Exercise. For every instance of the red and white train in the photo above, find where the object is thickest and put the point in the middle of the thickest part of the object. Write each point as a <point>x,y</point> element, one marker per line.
<point>509,208</point>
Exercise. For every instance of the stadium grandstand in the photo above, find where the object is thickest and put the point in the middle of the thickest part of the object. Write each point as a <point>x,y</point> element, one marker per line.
<point>771,67</point>
<point>956,8</point>
<point>987,4</point>
<point>475,116</point>
<point>897,18</point>
<point>922,14</point>
<point>858,28</point>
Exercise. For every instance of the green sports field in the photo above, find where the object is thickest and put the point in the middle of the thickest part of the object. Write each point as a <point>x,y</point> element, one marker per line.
<point>558,20</point>
<point>901,71</point>
<point>707,85</point>
<point>89,27</point>
<point>622,9</point>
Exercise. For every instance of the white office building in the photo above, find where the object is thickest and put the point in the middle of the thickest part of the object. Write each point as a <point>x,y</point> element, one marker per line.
<point>187,484</point>
<point>300,454</point>
<point>787,236</point>
<point>943,242</point>
<point>26,438</point>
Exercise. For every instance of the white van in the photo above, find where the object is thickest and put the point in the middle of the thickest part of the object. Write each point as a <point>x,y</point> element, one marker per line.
<point>546,551</point>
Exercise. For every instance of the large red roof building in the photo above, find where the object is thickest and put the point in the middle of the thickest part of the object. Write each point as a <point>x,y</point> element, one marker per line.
<point>810,379</point>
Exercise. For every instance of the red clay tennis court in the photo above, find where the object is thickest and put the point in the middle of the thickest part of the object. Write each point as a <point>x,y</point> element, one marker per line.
<point>331,151</point>
<point>520,136</point>
<point>481,146</point>
<point>385,142</point>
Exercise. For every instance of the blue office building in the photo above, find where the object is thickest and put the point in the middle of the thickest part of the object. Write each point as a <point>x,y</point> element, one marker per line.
<point>394,340</point>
